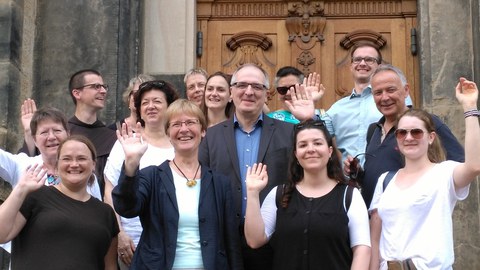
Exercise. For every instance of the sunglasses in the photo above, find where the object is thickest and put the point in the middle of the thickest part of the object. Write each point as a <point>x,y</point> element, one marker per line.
<point>309,124</point>
<point>416,133</point>
<point>356,171</point>
<point>282,90</point>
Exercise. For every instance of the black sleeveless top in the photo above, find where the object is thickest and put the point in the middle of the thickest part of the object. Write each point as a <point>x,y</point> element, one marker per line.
<point>312,233</point>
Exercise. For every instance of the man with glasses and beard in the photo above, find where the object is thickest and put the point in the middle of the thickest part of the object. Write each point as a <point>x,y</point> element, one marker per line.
<point>389,90</point>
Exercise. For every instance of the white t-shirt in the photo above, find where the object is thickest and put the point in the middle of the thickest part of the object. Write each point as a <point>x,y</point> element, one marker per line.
<point>358,224</point>
<point>417,221</point>
<point>153,156</point>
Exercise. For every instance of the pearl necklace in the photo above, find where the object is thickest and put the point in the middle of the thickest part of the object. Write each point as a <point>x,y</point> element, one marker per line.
<point>190,182</point>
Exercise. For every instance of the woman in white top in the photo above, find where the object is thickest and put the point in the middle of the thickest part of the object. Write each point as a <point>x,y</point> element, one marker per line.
<point>411,218</point>
<point>151,102</point>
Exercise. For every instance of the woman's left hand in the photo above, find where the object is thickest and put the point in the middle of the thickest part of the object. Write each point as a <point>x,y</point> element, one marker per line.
<point>257,177</point>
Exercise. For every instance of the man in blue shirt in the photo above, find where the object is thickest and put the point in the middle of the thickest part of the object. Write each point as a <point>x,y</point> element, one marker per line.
<point>249,137</point>
<point>348,118</point>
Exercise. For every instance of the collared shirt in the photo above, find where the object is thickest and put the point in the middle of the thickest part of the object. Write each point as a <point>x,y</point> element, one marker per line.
<point>348,120</point>
<point>247,151</point>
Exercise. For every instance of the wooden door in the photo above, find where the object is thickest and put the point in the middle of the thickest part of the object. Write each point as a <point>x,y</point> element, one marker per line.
<point>310,35</point>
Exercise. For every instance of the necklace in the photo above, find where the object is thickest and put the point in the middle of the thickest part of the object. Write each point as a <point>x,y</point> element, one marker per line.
<point>190,182</point>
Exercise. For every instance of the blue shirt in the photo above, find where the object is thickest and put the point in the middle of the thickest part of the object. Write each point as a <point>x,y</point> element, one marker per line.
<point>247,151</point>
<point>348,120</point>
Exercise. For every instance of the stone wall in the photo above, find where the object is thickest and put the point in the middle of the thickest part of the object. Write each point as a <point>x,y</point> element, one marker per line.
<point>449,36</point>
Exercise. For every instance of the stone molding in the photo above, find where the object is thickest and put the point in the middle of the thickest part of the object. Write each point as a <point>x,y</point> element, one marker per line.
<point>262,10</point>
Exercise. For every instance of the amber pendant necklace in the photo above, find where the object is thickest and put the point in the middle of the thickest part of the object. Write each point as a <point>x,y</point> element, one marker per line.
<point>190,182</point>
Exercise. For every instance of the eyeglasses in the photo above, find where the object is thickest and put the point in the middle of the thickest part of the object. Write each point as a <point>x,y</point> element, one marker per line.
<point>356,171</point>
<point>188,123</point>
<point>282,90</point>
<point>416,133</point>
<point>368,60</point>
<point>78,160</point>
<point>95,86</point>
<point>244,85</point>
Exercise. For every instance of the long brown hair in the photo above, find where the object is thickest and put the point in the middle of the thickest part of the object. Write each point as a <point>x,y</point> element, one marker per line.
<point>296,173</point>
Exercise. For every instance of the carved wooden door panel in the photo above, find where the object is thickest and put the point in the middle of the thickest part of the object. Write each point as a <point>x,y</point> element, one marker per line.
<point>310,35</point>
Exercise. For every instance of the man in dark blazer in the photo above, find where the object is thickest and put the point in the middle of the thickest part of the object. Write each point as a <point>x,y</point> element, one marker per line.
<point>249,137</point>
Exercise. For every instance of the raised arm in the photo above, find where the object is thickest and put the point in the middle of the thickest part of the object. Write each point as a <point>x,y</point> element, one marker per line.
<point>256,181</point>
<point>467,96</point>
<point>12,220</point>
<point>27,110</point>
<point>134,146</point>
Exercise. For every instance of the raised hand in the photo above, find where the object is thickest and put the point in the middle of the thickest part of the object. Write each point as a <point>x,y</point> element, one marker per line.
<point>257,177</point>
<point>27,110</point>
<point>33,178</point>
<point>467,93</point>
<point>302,105</point>
<point>134,144</point>
<point>313,86</point>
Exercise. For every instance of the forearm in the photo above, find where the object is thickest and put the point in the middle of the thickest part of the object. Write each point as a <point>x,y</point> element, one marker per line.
<point>9,212</point>
<point>375,232</point>
<point>254,225</point>
<point>472,142</point>
<point>361,257</point>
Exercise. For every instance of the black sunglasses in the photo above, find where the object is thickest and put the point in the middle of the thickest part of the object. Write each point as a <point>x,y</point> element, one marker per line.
<point>282,90</point>
<point>309,124</point>
<point>356,171</point>
<point>151,85</point>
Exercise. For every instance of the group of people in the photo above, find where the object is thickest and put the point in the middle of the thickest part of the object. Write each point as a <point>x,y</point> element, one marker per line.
<point>217,181</point>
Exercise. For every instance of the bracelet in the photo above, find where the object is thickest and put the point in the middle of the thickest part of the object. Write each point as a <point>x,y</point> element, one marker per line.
<point>469,113</point>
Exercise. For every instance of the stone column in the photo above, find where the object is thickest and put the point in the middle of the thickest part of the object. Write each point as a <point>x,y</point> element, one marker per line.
<point>449,42</point>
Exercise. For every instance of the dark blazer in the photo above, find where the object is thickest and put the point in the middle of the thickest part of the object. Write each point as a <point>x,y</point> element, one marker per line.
<point>151,195</point>
<point>218,151</point>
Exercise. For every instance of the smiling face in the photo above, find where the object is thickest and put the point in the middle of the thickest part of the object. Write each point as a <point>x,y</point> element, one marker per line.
<point>75,163</point>
<point>153,105</point>
<point>48,137</point>
<point>195,85</point>
<point>389,94</point>
<point>217,93</point>
<point>185,133</point>
<point>287,81</point>
<point>249,102</point>
<point>411,147</point>
<point>312,150</point>
<point>362,71</point>
<point>89,96</point>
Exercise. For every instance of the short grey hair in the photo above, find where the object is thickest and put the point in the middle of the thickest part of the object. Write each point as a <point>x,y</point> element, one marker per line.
<point>265,74</point>
<point>388,67</point>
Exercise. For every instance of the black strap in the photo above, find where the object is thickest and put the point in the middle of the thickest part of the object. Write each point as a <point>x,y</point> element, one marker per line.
<point>370,130</point>
<point>279,195</point>
<point>348,197</point>
<point>388,178</point>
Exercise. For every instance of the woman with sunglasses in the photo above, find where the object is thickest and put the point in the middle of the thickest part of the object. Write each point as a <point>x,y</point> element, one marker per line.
<point>185,208</point>
<point>218,105</point>
<point>151,102</point>
<point>315,220</point>
<point>411,218</point>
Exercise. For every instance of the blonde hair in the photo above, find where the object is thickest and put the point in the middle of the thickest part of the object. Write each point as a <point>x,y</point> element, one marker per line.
<point>184,107</point>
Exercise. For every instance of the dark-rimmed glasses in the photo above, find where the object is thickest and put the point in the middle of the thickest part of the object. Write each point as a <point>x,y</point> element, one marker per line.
<point>255,86</point>
<point>401,134</point>
<point>96,86</point>
<point>282,90</point>
<point>368,60</point>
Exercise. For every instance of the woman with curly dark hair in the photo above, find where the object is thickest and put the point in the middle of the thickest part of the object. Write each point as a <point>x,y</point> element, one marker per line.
<point>316,219</point>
